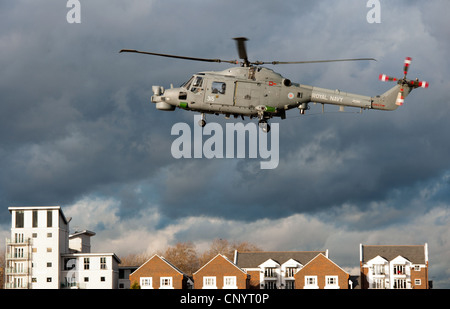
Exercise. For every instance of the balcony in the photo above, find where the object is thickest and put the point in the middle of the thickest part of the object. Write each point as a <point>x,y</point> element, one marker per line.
<point>18,256</point>
<point>18,242</point>
<point>11,285</point>
<point>16,270</point>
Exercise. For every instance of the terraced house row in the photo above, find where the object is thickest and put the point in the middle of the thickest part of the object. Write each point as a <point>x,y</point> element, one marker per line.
<point>42,254</point>
<point>382,267</point>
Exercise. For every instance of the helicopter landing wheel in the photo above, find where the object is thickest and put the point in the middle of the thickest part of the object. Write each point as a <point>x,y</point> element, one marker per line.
<point>265,127</point>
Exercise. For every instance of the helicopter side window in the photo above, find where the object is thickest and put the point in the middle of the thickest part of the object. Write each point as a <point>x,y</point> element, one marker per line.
<point>197,84</point>
<point>218,87</point>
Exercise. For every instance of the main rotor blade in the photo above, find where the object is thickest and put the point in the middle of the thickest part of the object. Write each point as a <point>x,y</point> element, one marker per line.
<point>313,61</point>
<point>177,57</point>
<point>242,51</point>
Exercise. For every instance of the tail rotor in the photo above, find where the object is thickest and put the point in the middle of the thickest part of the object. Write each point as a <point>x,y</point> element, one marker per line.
<point>404,82</point>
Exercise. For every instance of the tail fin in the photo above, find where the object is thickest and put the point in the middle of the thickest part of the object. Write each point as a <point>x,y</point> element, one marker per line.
<point>389,100</point>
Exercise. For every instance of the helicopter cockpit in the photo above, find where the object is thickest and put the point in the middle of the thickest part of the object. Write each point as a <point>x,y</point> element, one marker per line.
<point>194,84</point>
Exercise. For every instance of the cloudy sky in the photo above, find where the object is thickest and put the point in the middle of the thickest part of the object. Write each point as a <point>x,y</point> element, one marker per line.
<point>77,128</point>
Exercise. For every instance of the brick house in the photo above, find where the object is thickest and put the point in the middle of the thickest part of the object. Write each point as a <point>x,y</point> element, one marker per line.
<point>321,273</point>
<point>158,273</point>
<point>273,269</point>
<point>394,267</point>
<point>220,273</point>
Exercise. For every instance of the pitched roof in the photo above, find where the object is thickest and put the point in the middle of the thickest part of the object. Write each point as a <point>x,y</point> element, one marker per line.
<point>223,257</point>
<point>156,256</point>
<point>254,259</point>
<point>415,254</point>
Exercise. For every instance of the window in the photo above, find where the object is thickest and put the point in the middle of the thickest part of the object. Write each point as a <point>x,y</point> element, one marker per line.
<point>290,271</point>
<point>102,279</point>
<point>49,218</point>
<point>229,282</point>
<point>103,263</point>
<point>19,219</point>
<point>417,267</point>
<point>290,284</point>
<point>49,279</point>
<point>18,238</point>
<point>378,284</point>
<point>86,279</point>
<point>399,284</point>
<point>399,270</point>
<point>35,218</point>
<point>188,83</point>
<point>270,285</point>
<point>209,282</point>
<point>218,87</point>
<point>146,283</point>
<point>311,282</point>
<point>86,263</point>
<point>378,269</point>
<point>270,272</point>
<point>197,84</point>
<point>331,282</point>
<point>49,264</point>
<point>165,283</point>
<point>418,282</point>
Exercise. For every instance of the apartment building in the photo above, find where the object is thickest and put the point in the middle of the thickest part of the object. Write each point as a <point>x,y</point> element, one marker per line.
<point>41,254</point>
<point>394,267</point>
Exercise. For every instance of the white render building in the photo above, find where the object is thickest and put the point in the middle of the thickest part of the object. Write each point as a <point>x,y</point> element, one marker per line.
<point>42,255</point>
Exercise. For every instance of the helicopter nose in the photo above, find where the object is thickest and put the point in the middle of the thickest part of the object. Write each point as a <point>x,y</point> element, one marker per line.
<point>171,95</point>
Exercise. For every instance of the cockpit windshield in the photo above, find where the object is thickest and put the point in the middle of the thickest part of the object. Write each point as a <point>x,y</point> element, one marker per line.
<point>188,83</point>
<point>196,82</point>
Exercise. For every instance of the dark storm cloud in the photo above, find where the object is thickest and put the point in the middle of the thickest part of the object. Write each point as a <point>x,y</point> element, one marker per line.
<point>76,115</point>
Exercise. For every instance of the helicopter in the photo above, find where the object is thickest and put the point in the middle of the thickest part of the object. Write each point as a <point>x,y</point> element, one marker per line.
<point>251,90</point>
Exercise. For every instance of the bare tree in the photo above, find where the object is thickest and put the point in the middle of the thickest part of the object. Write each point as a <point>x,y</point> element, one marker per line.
<point>224,247</point>
<point>184,256</point>
<point>2,268</point>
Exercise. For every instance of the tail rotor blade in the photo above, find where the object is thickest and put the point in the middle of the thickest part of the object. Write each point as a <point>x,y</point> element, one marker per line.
<point>385,78</point>
<point>406,65</point>
<point>418,83</point>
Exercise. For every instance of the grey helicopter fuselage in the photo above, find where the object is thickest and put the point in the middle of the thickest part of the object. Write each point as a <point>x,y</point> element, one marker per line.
<point>255,91</point>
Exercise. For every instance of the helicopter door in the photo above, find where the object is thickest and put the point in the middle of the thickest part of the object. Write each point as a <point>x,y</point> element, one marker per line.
<point>219,92</point>
<point>247,94</point>
<point>196,85</point>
